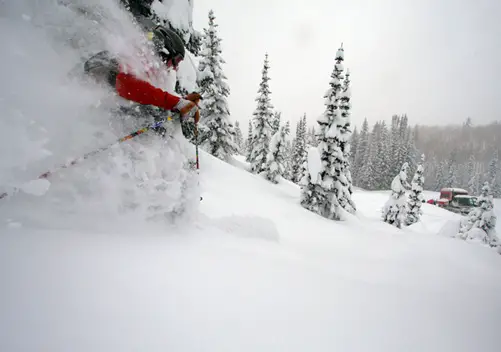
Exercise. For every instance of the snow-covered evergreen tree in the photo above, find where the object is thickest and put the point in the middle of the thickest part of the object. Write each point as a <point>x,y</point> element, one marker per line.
<point>416,196</point>
<point>403,141</point>
<point>312,139</point>
<point>481,218</point>
<point>345,133</point>
<point>452,171</point>
<point>395,165</point>
<point>494,175</point>
<point>381,169</point>
<point>441,176</point>
<point>276,158</point>
<point>215,113</point>
<point>395,209</point>
<point>368,169</point>
<point>262,120</point>
<point>323,197</point>
<point>248,142</point>
<point>355,136</point>
<point>289,148</point>
<point>275,125</point>
<point>362,155</point>
<point>299,151</point>
<point>471,174</point>
<point>239,138</point>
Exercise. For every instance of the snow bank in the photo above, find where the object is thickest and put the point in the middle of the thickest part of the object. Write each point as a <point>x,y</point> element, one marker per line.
<point>257,272</point>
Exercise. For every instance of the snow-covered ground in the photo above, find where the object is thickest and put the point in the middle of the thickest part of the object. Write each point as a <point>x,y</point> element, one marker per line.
<point>254,272</point>
<point>82,269</point>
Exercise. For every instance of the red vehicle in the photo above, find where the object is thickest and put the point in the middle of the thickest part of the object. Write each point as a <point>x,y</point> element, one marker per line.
<point>447,194</point>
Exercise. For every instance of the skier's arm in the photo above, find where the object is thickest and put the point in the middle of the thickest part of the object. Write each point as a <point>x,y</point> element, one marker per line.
<point>132,88</point>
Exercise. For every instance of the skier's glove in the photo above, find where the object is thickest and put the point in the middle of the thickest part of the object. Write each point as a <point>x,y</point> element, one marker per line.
<point>186,108</point>
<point>194,97</point>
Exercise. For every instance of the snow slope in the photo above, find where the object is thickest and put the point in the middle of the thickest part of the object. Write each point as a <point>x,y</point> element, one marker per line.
<point>82,269</point>
<point>254,272</point>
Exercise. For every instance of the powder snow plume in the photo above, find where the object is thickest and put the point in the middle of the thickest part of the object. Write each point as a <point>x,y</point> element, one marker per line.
<point>50,113</point>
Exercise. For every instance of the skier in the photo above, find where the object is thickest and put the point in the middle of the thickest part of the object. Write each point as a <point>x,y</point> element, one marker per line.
<point>105,68</point>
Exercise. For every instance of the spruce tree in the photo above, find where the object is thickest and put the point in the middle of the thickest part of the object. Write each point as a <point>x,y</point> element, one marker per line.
<point>382,169</point>
<point>403,141</point>
<point>288,157</point>
<point>416,197</point>
<point>395,145</point>
<point>355,137</point>
<point>471,174</point>
<point>368,170</point>
<point>218,139</point>
<point>239,138</point>
<point>394,211</point>
<point>481,218</point>
<point>441,176</point>
<point>248,150</point>
<point>493,174</point>
<point>299,150</point>
<point>276,122</point>
<point>276,158</point>
<point>262,120</point>
<point>362,155</point>
<point>312,139</point>
<point>322,197</point>
<point>345,133</point>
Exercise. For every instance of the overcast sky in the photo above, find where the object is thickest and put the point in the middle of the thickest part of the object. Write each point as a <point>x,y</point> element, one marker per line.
<point>439,61</point>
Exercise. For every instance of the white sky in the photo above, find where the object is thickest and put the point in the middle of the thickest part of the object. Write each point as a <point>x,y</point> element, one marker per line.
<point>436,60</point>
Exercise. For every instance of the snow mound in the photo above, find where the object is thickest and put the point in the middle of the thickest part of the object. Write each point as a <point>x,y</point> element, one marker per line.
<point>450,228</point>
<point>248,227</point>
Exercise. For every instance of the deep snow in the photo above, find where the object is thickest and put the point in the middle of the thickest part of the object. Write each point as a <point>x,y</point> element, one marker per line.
<point>82,269</point>
<point>254,272</point>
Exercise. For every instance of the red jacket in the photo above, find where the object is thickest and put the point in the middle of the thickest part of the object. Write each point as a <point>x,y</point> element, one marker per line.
<point>132,88</point>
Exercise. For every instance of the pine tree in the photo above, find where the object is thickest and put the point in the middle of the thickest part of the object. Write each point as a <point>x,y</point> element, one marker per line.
<point>471,174</point>
<point>416,197</point>
<point>299,150</point>
<point>276,158</point>
<point>403,141</point>
<point>452,170</point>
<point>382,170</point>
<point>441,178</point>
<point>394,211</point>
<point>394,162</point>
<point>239,138</point>
<point>219,138</point>
<point>288,157</point>
<point>248,150</point>
<point>368,169</point>
<point>262,123</point>
<point>355,137</point>
<point>481,218</point>
<point>362,156</point>
<point>276,122</point>
<point>322,197</point>
<point>312,139</point>
<point>493,174</point>
<point>345,130</point>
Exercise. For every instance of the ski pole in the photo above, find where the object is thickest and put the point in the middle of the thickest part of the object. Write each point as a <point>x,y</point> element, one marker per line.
<point>75,161</point>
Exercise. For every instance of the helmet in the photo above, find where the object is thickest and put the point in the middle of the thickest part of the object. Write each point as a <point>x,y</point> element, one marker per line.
<point>168,44</point>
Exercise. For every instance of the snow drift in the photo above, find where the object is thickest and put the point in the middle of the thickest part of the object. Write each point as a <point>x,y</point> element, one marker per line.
<point>83,269</point>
